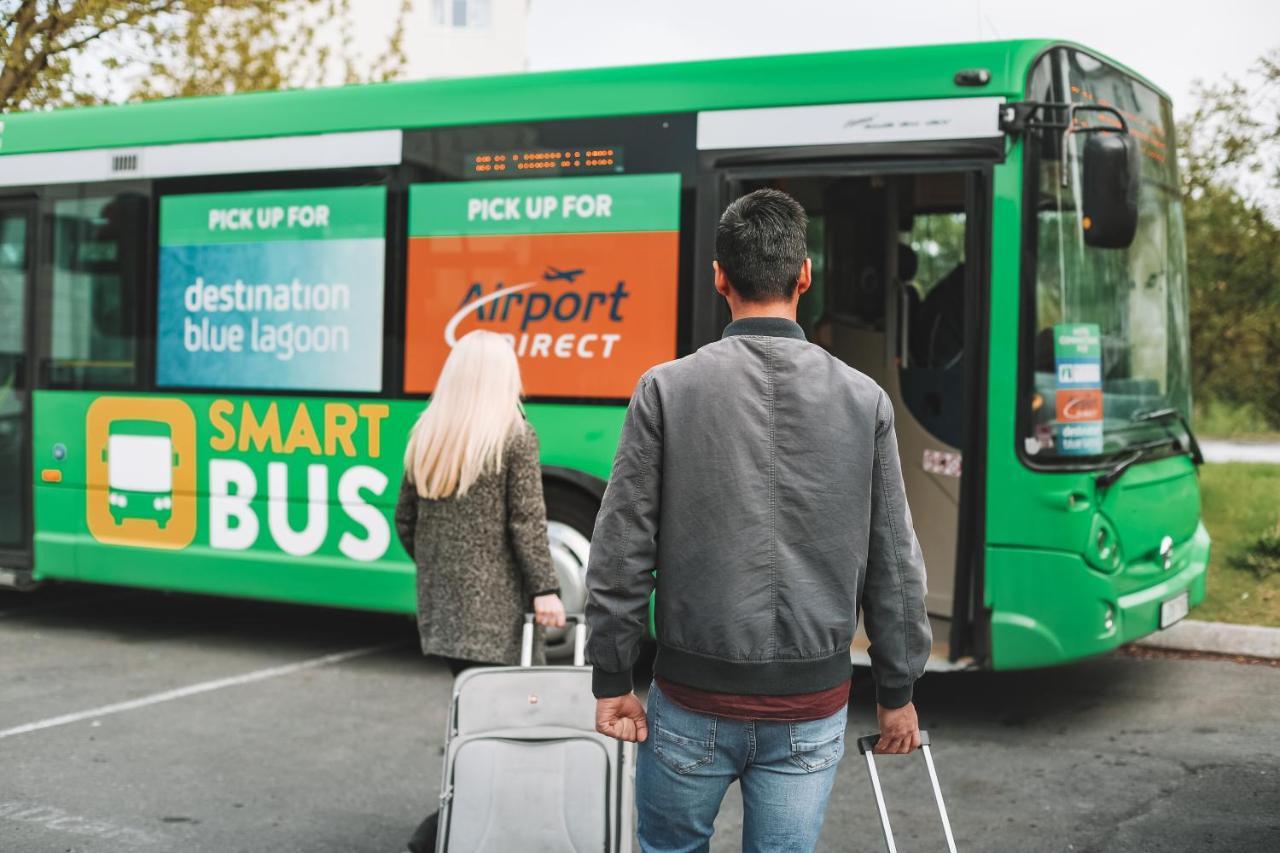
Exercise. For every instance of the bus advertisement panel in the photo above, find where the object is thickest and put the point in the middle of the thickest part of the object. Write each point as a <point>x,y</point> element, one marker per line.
<point>278,497</point>
<point>272,289</point>
<point>579,273</point>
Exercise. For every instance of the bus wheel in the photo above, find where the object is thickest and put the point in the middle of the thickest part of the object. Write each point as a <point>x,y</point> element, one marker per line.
<point>571,516</point>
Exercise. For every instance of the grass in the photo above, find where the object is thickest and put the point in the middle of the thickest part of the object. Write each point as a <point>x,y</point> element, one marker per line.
<point>1214,419</point>
<point>1241,502</point>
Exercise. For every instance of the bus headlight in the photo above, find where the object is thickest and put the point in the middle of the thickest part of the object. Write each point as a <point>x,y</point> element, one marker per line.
<point>1103,550</point>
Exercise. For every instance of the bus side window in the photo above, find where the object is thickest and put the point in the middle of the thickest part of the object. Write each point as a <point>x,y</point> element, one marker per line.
<point>97,270</point>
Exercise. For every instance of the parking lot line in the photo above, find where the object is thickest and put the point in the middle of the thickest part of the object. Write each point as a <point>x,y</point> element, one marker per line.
<point>194,689</point>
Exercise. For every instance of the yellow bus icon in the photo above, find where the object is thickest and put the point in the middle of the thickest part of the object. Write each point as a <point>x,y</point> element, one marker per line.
<point>140,476</point>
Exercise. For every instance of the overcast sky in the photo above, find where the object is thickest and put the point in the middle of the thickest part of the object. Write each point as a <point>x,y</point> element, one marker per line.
<point>1172,43</point>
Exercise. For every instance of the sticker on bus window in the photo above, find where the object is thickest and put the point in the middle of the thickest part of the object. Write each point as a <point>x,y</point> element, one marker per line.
<point>278,289</point>
<point>1079,401</point>
<point>579,274</point>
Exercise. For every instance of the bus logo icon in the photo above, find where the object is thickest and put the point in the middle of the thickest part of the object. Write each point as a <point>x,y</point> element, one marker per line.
<point>140,461</point>
<point>140,472</point>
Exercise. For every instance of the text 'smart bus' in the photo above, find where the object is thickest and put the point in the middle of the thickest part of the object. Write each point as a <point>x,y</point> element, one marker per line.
<point>219,316</point>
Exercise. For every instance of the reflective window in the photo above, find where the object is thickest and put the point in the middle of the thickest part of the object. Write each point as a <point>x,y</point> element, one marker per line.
<point>473,14</point>
<point>98,266</point>
<point>13,393</point>
<point>1110,339</point>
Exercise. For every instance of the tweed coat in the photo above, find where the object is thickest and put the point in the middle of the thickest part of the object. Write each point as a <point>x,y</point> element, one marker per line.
<point>481,558</point>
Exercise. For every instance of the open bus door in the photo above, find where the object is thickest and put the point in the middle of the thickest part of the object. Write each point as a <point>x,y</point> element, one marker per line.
<point>899,267</point>
<point>17,229</point>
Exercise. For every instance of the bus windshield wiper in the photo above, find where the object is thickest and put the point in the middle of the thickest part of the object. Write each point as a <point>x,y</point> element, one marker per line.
<point>1161,416</point>
<point>1106,478</point>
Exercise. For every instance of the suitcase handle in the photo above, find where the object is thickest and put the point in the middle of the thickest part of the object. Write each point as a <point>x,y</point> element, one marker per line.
<point>866,746</point>
<point>866,743</point>
<point>579,639</point>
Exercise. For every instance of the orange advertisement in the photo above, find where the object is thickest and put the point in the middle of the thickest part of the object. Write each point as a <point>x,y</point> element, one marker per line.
<point>1079,404</point>
<point>587,313</point>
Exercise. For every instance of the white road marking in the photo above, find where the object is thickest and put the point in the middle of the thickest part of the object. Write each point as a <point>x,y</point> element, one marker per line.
<point>194,689</point>
<point>52,817</point>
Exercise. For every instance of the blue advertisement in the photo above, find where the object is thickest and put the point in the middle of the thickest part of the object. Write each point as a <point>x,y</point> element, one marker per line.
<point>272,290</point>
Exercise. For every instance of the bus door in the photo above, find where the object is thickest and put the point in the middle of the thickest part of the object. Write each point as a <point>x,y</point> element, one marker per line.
<point>17,224</point>
<point>893,296</point>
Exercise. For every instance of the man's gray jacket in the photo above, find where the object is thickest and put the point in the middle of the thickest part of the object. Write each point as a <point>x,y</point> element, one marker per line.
<point>759,477</point>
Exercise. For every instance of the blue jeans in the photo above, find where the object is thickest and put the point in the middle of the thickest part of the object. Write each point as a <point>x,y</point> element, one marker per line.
<point>689,760</point>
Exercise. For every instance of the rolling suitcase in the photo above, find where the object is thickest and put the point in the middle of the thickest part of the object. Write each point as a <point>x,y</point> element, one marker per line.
<point>865,746</point>
<point>525,769</point>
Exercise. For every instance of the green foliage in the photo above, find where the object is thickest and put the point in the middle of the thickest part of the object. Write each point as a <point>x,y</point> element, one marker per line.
<point>1239,500</point>
<point>1263,556</point>
<point>1230,152</point>
<point>1219,419</point>
<point>68,52</point>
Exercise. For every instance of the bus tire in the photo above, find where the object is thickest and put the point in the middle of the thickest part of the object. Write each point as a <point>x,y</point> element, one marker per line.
<point>571,506</point>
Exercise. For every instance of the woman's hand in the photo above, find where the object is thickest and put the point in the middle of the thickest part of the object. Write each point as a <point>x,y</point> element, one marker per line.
<point>548,611</point>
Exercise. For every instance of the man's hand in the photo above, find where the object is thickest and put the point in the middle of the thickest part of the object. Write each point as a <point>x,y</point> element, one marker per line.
<point>548,611</point>
<point>622,717</point>
<point>899,730</point>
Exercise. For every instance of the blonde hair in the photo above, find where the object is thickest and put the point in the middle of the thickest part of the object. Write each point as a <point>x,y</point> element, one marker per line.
<point>474,409</point>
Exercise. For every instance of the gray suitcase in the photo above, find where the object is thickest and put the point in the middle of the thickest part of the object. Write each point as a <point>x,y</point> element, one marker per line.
<point>865,746</point>
<point>525,769</point>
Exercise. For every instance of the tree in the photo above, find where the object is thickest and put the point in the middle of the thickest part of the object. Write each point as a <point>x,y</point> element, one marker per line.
<point>67,52</point>
<point>1231,181</point>
<point>254,45</point>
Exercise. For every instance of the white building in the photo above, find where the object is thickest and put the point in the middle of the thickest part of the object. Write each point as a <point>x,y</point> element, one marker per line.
<point>458,38</point>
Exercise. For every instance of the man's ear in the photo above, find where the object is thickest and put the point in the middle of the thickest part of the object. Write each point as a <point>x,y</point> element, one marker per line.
<point>805,279</point>
<point>721,280</point>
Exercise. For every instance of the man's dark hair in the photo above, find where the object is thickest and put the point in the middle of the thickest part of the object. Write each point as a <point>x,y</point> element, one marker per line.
<point>760,245</point>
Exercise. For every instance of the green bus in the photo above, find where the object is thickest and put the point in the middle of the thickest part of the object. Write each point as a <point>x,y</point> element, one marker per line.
<point>219,316</point>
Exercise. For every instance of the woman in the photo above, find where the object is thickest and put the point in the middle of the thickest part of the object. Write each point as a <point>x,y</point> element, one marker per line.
<point>472,517</point>
<point>471,512</point>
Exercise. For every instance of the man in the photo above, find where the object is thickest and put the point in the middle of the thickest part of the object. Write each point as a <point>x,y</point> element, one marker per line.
<point>759,476</point>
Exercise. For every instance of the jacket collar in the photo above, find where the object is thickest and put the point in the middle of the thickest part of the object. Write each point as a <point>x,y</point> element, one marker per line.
<point>777,327</point>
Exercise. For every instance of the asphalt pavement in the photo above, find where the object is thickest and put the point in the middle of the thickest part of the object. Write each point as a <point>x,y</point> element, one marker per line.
<point>140,721</point>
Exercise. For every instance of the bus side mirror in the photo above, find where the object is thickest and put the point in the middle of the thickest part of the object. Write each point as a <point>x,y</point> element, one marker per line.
<point>1109,192</point>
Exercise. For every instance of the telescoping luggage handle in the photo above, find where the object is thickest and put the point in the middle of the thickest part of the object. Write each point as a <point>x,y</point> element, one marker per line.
<point>866,745</point>
<point>579,639</point>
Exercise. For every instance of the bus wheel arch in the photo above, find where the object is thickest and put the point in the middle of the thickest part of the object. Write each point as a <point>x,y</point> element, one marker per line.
<point>573,499</point>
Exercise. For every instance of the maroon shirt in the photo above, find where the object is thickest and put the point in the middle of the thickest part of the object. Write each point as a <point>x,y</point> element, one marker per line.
<point>796,708</point>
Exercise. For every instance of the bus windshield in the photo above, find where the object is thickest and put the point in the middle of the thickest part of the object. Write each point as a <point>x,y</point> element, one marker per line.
<point>1110,338</point>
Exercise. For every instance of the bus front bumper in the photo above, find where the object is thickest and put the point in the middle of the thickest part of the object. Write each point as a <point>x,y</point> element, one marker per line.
<point>1049,607</point>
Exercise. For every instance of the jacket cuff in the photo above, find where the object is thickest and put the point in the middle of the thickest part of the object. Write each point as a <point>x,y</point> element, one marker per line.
<point>553,591</point>
<point>607,685</point>
<point>893,697</point>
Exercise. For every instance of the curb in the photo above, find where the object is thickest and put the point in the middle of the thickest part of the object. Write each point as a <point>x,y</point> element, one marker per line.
<point>1222,638</point>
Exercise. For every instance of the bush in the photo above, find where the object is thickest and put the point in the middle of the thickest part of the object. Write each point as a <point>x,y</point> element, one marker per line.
<point>1263,556</point>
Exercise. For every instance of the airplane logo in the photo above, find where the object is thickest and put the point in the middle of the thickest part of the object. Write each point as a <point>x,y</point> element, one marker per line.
<point>556,274</point>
